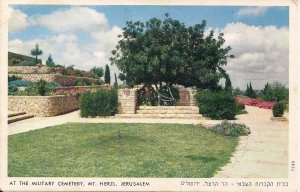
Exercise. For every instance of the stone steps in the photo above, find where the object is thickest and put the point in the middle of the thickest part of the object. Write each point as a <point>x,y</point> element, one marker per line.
<point>167,111</point>
<point>18,116</point>
<point>164,112</point>
<point>168,108</point>
<point>161,116</point>
<point>15,113</point>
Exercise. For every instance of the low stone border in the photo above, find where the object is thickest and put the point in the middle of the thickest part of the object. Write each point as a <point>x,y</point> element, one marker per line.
<point>278,119</point>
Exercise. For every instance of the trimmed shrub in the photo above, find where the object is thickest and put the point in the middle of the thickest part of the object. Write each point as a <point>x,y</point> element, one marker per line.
<point>27,63</point>
<point>231,129</point>
<point>98,103</point>
<point>20,83</point>
<point>216,104</point>
<point>278,109</point>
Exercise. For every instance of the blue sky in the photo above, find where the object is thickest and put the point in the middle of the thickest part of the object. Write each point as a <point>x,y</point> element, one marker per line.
<point>258,35</point>
<point>216,16</point>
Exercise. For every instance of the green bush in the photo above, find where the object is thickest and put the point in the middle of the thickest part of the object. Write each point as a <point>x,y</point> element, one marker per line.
<point>216,104</point>
<point>12,90</point>
<point>13,78</point>
<point>50,64</point>
<point>98,103</point>
<point>278,109</point>
<point>231,129</point>
<point>41,86</point>
<point>240,108</point>
<point>27,63</point>
<point>275,92</point>
<point>38,88</point>
<point>83,82</point>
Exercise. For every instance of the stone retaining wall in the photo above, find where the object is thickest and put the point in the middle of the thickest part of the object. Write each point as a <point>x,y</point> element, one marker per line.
<point>31,69</point>
<point>41,69</point>
<point>85,88</point>
<point>43,105</point>
<point>60,79</point>
<point>127,100</point>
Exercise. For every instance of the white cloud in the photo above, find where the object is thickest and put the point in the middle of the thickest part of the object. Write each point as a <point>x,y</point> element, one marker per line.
<point>70,48</point>
<point>75,18</point>
<point>252,11</point>
<point>261,54</point>
<point>17,20</point>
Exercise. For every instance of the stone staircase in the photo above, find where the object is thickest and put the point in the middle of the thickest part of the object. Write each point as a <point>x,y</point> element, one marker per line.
<point>14,116</point>
<point>164,112</point>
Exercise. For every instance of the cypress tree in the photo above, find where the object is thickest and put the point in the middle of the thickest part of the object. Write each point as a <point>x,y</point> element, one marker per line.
<point>116,82</point>
<point>107,75</point>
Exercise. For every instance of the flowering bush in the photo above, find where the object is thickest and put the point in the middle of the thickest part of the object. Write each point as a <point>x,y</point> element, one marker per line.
<point>231,129</point>
<point>257,102</point>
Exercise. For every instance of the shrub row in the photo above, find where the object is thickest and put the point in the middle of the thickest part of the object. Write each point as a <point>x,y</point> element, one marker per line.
<point>98,103</point>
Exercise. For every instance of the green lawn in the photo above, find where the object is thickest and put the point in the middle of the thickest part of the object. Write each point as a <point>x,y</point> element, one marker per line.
<point>95,150</point>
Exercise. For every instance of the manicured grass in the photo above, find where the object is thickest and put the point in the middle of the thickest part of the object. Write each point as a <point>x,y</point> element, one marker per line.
<point>95,150</point>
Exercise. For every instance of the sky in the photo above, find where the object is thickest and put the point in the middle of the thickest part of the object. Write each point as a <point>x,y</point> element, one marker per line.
<point>84,36</point>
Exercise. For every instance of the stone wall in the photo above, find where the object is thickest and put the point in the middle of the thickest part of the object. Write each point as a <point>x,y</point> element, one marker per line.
<point>60,79</point>
<point>43,105</point>
<point>42,69</point>
<point>184,99</point>
<point>127,100</point>
<point>84,88</point>
<point>31,69</point>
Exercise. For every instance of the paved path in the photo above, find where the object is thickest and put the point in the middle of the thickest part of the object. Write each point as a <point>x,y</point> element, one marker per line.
<point>262,154</point>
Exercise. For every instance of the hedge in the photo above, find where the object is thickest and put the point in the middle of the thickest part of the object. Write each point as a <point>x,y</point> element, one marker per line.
<point>98,103</point>
<point>217,104</point>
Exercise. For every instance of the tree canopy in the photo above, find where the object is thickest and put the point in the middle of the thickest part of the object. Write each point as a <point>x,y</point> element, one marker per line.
<point>36,51</point>
<point>167,51</point>
<point>97,70</point>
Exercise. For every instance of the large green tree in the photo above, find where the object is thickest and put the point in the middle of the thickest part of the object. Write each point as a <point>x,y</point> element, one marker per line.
<point>167,51</point>
<point>36,52</point>
<point>107,75</point>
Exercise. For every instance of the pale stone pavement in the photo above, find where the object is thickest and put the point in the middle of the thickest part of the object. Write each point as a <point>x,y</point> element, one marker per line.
<point>263,154</point>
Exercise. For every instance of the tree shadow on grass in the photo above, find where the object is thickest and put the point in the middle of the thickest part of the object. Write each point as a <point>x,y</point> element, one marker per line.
<point>204,159</point>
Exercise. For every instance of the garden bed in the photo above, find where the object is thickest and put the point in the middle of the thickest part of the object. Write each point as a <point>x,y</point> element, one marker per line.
<point>140,150</point>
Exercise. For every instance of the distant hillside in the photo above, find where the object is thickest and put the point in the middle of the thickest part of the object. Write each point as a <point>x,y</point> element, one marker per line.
<point>14,58</point>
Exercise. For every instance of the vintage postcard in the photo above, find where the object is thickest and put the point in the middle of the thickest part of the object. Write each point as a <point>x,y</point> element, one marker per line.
<point>149,95</point>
